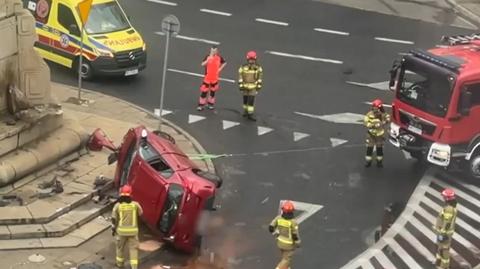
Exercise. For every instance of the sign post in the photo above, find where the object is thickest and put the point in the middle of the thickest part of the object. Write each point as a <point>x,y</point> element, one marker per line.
<point>170,26</point>
<point>84,10</point>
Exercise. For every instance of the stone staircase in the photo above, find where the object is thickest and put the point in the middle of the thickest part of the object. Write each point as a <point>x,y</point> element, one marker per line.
<point>66,219</point>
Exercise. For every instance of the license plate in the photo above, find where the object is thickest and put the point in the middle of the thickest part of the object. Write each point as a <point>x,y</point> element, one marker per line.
<point>415,129</point>
<point>131,72</point>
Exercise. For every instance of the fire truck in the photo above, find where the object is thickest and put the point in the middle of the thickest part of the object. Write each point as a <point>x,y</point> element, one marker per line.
<point>436,108</point>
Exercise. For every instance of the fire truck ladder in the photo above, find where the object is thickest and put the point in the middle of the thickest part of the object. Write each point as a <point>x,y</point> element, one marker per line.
<point>460,39</point>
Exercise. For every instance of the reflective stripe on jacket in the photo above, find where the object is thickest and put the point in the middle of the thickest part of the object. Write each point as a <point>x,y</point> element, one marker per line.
<point>446,221</point>
<point>250,76</point>
<point>376,124</point>
<point>127,219</point>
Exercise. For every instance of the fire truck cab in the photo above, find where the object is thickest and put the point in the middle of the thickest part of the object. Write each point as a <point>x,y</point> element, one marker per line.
<point>436,109</point>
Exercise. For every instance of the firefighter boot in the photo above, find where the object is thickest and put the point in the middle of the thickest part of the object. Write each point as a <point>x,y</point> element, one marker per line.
<point>368,156</point>
<point>379,157</point>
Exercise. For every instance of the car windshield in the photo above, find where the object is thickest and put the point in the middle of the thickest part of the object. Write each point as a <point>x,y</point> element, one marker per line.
<point>172,207</point>
<point>426,88</point>
<point>106,18</point>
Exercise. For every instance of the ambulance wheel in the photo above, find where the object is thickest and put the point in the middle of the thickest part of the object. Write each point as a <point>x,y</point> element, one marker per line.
<point>87,70</point>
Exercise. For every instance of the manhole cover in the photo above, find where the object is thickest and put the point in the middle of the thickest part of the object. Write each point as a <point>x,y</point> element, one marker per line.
<point>89,266</point>
<point>36,258</point>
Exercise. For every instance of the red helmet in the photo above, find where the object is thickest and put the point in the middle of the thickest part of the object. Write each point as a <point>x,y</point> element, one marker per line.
<point>288,207</point>
<point>251,55</point>
<point>377,103</point>
<point>125,190</point>
<point>448,194</point>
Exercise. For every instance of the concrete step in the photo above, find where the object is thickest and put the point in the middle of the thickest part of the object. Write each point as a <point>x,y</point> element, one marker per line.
<point>72,239</point>
<point>43,211</point>
<point>58,227</point>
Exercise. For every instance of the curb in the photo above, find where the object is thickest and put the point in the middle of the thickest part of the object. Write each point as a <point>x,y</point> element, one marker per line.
<point>471,16</point>
<point>196,144</point>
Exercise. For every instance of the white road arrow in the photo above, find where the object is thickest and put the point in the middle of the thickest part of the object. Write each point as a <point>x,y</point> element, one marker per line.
<point>156,112</point>
<point>263,130</point>
<point>337,141</point>
<point>307,210</point>
<point>347,117</point>
<point>229,124</point>
<point>381,86</point>
<point>194,118</point>
<point>298,136</point>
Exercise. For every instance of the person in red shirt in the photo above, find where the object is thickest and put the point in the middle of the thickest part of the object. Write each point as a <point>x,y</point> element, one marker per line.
<point>214,64</point>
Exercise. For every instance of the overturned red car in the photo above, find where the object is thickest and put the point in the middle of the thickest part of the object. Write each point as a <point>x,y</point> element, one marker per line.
<point>176,196</point>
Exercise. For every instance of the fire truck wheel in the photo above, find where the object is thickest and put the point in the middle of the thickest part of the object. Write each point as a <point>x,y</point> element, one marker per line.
<point>474,166</point>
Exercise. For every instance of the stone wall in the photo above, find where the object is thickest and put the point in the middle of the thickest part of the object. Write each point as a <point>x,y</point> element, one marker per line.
<point>20,65</point>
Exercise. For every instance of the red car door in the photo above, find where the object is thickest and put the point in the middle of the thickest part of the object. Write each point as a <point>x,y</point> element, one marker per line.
<point>148,189</point>
<point>125,157</point>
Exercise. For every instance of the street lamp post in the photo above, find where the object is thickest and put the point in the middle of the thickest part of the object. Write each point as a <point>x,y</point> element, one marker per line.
<point>170,26</point>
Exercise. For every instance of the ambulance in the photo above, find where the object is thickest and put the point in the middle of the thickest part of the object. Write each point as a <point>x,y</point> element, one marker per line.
<point>111,46</point>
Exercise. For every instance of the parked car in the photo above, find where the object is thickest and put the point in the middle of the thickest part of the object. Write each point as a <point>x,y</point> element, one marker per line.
<point>175,194</point>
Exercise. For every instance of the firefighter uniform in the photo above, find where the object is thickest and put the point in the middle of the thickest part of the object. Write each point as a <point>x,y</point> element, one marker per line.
<point>376,122</point>
<point>286,231</point>
<point>444,229</point>
<point>125,215</point>
<point>250,82</point>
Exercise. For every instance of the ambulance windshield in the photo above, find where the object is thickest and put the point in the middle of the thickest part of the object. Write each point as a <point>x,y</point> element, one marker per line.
<point>106,18</point>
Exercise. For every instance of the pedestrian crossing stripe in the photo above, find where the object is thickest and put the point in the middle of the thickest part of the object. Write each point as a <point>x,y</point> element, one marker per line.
<point>411,242</point>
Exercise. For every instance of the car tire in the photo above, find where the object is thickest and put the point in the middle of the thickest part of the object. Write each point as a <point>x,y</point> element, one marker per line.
<point>87,70</point>
<point>211,177</point>
<point>474,166</point>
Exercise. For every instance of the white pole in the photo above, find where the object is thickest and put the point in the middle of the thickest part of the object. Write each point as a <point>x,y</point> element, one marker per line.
<point>162,91</point>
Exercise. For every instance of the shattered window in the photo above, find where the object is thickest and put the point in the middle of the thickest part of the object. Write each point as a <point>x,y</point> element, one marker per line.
<point>155,160</point>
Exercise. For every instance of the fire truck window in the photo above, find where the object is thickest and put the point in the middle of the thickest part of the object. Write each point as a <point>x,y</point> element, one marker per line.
<point>66,17</point>
<point>475,90</point>
<point>155,160</point>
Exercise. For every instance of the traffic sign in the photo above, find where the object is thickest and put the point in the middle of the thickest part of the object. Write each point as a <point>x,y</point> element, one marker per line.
<point>171,24</point>
<point>84,9</point>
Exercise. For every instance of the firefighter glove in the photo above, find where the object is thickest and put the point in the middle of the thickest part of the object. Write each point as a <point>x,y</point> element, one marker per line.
<point>271,229</point>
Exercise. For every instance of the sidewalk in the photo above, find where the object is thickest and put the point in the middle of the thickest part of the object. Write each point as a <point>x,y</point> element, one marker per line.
<point>468,8</point>
<point>115,117</point>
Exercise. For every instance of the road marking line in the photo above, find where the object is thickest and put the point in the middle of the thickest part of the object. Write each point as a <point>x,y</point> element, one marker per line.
<point>370,103</point>
<point>307,208</point>
<point>194,118</point>
<point>381,86</point>
<point>347,117</point>
<point>163,2</point>
<point>299,136</point>
<point>303,57</point>
<point>197,39</point>
<point>337,141</point>
<point>156,112</point>
<point>229,124</point>
<point>331,31</point>
<point>394,40</point>
<point>272,22</point>
<point>197,75</point>
<point>216,12</point>
<point>263,130</point>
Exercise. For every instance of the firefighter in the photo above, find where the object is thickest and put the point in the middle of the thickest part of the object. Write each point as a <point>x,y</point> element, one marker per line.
<point>376,121</point>
<point>444,229</point>
<point>214,64</point>
<point>125,216</point>
<point>285,228</point>
<point>250,82</point>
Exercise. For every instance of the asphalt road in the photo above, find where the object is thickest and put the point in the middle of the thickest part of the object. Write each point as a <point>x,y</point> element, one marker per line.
<point>264,169</point>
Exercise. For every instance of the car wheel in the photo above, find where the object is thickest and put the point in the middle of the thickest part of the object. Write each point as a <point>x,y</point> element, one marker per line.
<point>474,166</point>
<point>86,70</point>
<point>210,177</point>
